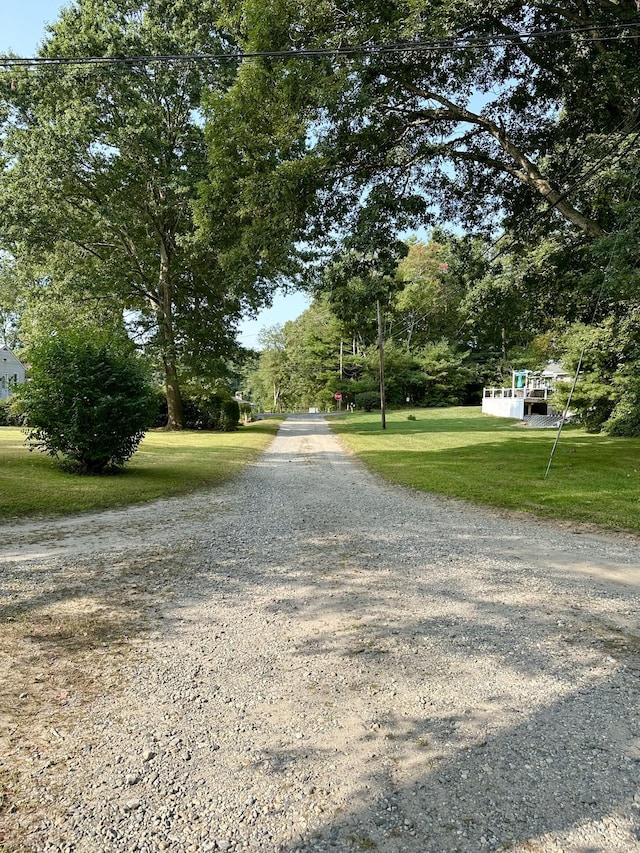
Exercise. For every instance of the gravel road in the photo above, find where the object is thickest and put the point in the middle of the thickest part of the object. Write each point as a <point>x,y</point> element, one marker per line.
<point>332,663</point>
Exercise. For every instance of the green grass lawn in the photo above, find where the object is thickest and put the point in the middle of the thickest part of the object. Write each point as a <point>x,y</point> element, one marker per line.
<point>488,460</point>
<point>166,464</point>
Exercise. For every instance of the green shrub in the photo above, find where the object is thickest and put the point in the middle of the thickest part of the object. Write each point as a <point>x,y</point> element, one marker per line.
<point>214,411</point>
<point>89,401</point>
<point>10,412</point>
<point>246,412</point>
<point>230,415</point>
<point>194,416</point>
<point>624,421</point>
<point>162,410</point>
<point>368,400</point>
<point>626,425</point>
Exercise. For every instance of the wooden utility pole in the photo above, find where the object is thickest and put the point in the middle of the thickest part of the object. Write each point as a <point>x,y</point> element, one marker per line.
<point>381,351</point>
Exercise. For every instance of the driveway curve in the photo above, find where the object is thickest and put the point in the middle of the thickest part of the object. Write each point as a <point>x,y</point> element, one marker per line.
<point>320,661</point>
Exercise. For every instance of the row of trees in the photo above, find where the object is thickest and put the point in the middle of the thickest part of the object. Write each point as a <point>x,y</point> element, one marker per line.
<point>178,193</point>
<point>454,320</point>
<point>333,346</point>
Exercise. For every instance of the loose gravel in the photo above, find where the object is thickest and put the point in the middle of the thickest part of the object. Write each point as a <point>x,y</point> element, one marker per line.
<point>328,663</point>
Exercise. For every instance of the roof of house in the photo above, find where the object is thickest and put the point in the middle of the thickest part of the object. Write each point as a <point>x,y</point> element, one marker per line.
<point>554,369</point>
<point>7,355</point>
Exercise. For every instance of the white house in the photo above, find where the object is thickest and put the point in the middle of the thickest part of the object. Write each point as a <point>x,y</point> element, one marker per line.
<point>530,394</point>
<point>12,372</point>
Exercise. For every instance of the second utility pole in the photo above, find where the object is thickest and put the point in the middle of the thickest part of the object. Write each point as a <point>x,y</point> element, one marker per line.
<point>381,350</point>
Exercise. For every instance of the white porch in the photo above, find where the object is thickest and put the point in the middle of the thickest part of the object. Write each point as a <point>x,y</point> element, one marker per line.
<point>528,395</point>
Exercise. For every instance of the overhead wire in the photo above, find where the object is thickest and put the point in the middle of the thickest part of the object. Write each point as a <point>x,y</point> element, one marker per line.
<point>453,43</point>
<point>629,30</point>
<point>626,31</point>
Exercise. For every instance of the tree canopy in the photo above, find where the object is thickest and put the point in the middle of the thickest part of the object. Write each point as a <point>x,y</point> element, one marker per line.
<point>486,109</point>
<point>102,172</point>
<point>517,121</point>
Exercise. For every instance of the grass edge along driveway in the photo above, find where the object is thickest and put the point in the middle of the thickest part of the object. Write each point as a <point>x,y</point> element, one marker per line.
<point>166,464</point>
<point>460,452</point>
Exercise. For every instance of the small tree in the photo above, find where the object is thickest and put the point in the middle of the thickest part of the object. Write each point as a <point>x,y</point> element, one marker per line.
<point>89,401</point>
<point>368,400</point>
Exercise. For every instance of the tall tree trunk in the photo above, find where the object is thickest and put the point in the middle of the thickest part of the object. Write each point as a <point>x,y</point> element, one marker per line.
<point>175,418</point>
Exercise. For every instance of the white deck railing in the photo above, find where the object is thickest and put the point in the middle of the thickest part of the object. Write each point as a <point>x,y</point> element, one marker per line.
<point>541,392</point>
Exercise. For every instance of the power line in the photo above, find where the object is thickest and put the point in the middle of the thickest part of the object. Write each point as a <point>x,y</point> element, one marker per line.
<point>582,179</point>
<point>629,30</point>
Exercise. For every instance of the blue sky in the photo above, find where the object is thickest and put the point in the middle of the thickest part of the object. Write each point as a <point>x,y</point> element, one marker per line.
<point>22,24</point>
<point>22,28</point>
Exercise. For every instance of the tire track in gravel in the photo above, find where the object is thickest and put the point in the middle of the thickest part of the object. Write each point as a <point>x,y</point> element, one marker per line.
<point>338,664</point>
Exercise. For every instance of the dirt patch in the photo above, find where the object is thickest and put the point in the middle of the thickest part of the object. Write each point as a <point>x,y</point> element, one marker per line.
<point>66,632</point>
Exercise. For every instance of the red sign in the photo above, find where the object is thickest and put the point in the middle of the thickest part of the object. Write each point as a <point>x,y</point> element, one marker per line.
<point>337,396</point>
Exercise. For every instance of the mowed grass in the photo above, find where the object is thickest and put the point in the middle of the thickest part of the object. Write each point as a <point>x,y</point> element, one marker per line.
<point>166,464</point>
<point>487,460</point>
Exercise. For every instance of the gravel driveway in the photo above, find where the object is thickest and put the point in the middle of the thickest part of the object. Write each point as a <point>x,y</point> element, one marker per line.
<point>322,662</point>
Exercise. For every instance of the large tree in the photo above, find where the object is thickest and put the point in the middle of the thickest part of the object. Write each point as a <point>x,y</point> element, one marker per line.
<point>102,168</point>
<point>316,354</point>
<point>269,383</point>
<point>482,109</point>
<point>520,118</point>
<point>498,107</point>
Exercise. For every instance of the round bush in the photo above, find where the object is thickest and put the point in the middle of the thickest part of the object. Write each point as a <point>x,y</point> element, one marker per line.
<point>11,413</point>
<point>624,424</point>
<point>230,415</point>
<point>88,402</point>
